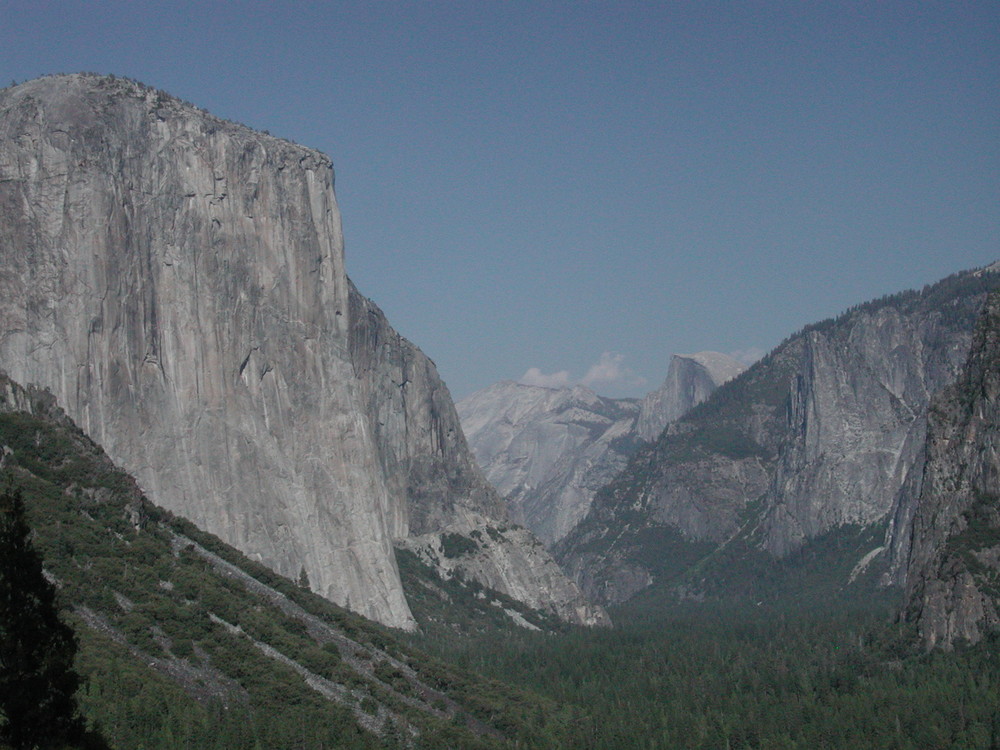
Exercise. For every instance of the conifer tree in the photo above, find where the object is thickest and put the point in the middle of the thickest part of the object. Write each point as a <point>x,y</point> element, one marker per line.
<point>37,680</point>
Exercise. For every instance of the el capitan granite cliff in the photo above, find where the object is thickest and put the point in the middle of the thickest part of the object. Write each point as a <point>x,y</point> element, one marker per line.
<point>178,282</point>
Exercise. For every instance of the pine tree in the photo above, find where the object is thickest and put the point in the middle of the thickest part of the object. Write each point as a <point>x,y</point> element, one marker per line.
<point>37,681</point>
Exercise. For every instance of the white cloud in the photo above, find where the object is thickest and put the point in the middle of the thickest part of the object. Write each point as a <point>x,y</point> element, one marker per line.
<point>749,355</point>
<point>608,372</point>
<point>534,376</point>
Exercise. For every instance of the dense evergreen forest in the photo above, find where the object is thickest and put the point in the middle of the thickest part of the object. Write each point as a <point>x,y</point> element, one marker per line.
<point>184,643</point>
<point>711,678</point>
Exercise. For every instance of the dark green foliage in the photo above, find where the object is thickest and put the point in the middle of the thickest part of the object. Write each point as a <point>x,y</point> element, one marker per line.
<point>814,578</point>
<point>162,673</point>
<point>37,679</point>
<point>712,677</point>
<point>981,536</point>
<point>459,606</point>
<point>457,545</point>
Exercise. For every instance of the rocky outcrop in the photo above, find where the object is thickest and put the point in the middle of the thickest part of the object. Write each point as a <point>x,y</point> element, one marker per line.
<point>510,559</point>
<point>547,450</point>
<point>953,565</point>
<point>856,420</point>
<point>177,281</point>
<point>823,432</point>
<point>691,378</point>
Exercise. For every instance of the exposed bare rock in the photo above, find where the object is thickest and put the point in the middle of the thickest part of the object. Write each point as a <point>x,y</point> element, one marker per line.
<point>177,281</point>
<point>416,430</point>
<point>510,559</point>
<point>691,378</point>
<point>953,566</point>
<point>823,432</point>
<point>856,420</point>
<point>547,450</point>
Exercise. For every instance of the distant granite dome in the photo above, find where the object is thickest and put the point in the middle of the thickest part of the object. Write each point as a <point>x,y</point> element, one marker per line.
<point>548,450</point>
<point>178,282</point>
<point>691,378</point>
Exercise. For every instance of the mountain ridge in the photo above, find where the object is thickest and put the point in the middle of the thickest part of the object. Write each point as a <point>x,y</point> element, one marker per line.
<point>548,450</point>
<point>783,453</point>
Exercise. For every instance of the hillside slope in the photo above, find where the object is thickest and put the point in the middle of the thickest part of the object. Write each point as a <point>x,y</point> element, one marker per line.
<point>822,434</point>
<point>184,640</point>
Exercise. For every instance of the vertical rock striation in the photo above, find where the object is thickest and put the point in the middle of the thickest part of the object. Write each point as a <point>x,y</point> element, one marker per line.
<point>415,429</point>
<point>856,420</point>
<point>953,565</point>
<point>177,281</point>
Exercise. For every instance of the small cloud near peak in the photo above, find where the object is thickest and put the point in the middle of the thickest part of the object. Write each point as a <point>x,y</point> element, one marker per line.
<point>608,372</point>
<point>535,376</point>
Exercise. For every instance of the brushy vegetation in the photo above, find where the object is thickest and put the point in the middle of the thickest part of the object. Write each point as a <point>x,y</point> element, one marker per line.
<point>175,646</point>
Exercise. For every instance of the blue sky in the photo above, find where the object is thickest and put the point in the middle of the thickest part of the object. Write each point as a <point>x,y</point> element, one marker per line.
<point>581,189</point>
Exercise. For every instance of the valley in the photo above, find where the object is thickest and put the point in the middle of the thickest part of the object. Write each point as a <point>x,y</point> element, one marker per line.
<point>269,525</point>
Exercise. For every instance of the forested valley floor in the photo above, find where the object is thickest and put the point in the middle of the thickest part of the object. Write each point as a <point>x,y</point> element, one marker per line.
<point>711,678</point>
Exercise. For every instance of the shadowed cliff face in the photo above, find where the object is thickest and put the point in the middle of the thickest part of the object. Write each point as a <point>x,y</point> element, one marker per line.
<point>953,566</point>
<point>415,429</point>
<point>178,283</point>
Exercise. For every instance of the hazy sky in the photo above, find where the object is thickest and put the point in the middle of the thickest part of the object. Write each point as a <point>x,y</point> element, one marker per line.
<point>578,190</point>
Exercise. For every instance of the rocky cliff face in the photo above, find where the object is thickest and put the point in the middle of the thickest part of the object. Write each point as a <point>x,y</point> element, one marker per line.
<point>856,420</point>
<point>415,429</point>
<point>822,432</point>
<point>547,451</point>
<point>953,565</point>
<point>177,281</point>
<point>691,378</point>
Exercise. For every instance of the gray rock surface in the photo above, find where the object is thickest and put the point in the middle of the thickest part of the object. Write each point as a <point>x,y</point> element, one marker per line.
<point>547,450</point>
<point>691,378</point>
<point>508,558</point>
<point>856,421</point>
<point>823,432</point>
<point>953,562</point>
<point>177,281</point>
